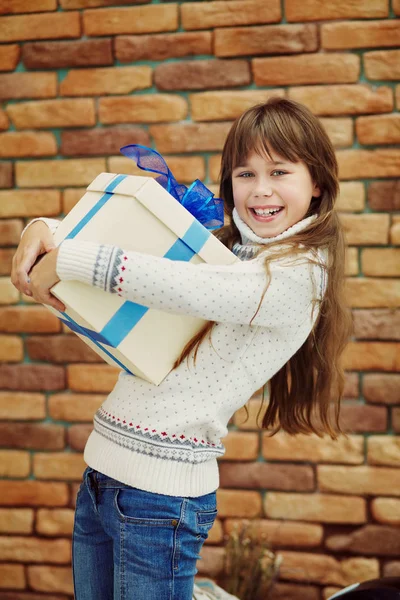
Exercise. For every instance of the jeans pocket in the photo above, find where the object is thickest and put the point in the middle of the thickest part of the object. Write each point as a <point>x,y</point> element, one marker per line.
<point>131,509</point>
<point>204,521</point>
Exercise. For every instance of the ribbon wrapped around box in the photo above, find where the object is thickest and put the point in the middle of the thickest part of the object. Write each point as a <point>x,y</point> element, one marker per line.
<point>138,213</point>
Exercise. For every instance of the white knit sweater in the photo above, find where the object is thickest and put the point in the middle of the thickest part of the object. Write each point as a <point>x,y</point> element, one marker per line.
<point>167,438</point>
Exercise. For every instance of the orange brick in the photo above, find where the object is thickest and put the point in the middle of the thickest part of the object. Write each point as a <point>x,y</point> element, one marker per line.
<point>70,197</point>
<point>212,561</point>
<point>40,27</point>
<point>360,164</point>
<point>359,34</point>
<point>372,356</point>
<point>386,510</point>
<point>14,144</point>
<point>161,46</point>
<point>314,568</point>
<point>352,197</point>
<point>360,569</point>
<point>241,446</point>
<point>351,266</point>
<point>74,407</point>
<point>383,450</point>
<point>361,418</point>
<point>29,377</point>
<point>229,13</point>
<point>9,57</point>
<point>395,231</point>
<point>325,508</point>
<point>382,129</point>
<point>92,378</point>
<point>340,131</point>
<point>280,533</point>
<point>21,203</point>
<point>70,4</point>
<point>57,522</point>
<point>8,293</point>
<point>11,348</point>
<point>306,69</point>
<point>381,262</point>
<point>376,324</point>
<point>52,113</point>
<point>22,406</point>
<point>202,74</point>
<point>55,55</point>
<point>262,475</point>
<point>396,7</point>
<point>223,106</point>
<point>51,579</point>
<point>138,19</point>
<point>78,435</point>
<point>102,140</point>
<point>314,10</point>
<point>313,448</point>
<point>344,99</point>
<point>241,503</point>
<point>365,229</point>
<point>190,137</point>
<point>14,463</point>
<point>112,80</point>
<point>12,577</point>
<point>27,6</point>
<point>384,196</point>
<point>58,466</point>
<point>373,292</point>
<point>28,319</point>
<point>4,120</point>
<point>142,109</point>
<point>382,64</point>
<point>28,85</point>
<point>33,493</point>
<point>16,520</point>
<point>6,175</point>
<point>185,169</point>
<point>67,172</point>
<point>6,256</point>
<point>29,549</point>
<point>10,231</point>
<point>34,436</point>
<point>268,39</point>
<point>359,480</point>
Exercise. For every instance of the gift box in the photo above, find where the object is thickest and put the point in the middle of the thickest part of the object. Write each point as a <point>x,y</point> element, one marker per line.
<point>136,213</point>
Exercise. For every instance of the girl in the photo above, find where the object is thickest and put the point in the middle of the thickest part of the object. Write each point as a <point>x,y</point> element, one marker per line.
<point>147,500</point>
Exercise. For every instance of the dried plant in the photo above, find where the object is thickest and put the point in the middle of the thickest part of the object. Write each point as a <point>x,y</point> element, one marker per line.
<point>251,567</point>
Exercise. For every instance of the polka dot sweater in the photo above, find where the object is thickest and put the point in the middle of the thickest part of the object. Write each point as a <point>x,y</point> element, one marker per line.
<point>167,438</point>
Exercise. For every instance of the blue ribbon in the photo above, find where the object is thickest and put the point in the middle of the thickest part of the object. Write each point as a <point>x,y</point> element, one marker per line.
<point>197,199</point>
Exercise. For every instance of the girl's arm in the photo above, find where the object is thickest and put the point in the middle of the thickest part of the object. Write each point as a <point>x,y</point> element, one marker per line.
<point>52,224</point>
<point>212,292</point>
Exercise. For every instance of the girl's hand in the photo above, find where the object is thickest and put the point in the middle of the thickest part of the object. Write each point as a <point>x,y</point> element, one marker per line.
<point>42,278</point>
<point>36,240</point>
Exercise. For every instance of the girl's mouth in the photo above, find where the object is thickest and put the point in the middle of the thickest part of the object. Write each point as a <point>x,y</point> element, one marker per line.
<point>266,215</point>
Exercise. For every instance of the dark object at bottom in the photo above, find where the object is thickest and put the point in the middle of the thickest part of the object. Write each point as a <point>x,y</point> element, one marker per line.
<point>385,588</point>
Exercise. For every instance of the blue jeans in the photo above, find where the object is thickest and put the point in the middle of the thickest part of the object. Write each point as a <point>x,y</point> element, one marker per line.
<point>129,544</point>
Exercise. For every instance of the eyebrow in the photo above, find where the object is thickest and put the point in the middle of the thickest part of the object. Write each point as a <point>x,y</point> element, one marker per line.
<point>273,162</point>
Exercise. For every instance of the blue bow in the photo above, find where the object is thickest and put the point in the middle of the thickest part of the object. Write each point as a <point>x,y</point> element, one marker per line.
<point>197,199</point>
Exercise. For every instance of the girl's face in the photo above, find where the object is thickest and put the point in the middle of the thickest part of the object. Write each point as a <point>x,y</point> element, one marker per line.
<point>271,196</point>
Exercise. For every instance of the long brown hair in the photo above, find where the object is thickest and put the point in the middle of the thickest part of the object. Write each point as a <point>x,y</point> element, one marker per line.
<point>302,391</point>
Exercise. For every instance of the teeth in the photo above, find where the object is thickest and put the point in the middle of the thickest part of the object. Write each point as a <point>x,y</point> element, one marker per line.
<point>265,213</point>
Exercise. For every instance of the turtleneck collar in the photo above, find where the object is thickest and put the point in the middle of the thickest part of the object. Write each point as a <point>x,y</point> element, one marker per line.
<point>249,237</point>
<point>251,242</point>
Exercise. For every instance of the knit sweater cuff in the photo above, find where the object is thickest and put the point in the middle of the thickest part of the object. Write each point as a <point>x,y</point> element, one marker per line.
<point>77,260</point>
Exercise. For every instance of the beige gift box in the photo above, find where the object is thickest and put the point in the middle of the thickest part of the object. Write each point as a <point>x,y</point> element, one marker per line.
<point>133,213</point>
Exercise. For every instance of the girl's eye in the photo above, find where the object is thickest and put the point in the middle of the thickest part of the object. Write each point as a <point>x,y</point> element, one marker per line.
<point>246,174</point>
<point>277,172</point>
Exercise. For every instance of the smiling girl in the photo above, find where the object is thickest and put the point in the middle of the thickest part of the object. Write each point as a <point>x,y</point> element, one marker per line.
<point>276,317</point>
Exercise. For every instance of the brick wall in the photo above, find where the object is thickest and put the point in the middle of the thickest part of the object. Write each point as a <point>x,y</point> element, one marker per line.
<point>79,79</point>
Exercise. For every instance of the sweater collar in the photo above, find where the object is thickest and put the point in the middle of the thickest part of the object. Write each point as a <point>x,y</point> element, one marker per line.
<point>250,238</point>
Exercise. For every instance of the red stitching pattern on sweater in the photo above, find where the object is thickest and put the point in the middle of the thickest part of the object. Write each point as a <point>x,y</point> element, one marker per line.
<point>163,433</point>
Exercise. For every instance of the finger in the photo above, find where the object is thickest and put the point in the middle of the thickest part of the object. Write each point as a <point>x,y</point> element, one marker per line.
<point>53,301</point>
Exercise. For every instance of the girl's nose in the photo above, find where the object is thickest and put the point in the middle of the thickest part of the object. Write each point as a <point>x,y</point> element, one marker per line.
<point>263,189</point>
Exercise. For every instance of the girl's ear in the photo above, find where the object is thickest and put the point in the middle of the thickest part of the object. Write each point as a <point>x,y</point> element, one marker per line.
<point>316,191</point>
